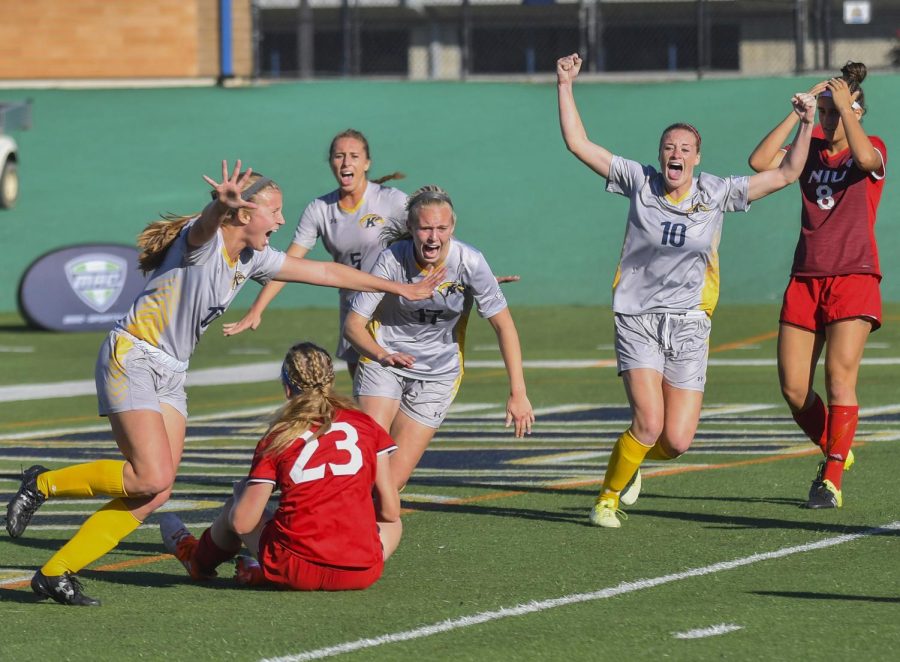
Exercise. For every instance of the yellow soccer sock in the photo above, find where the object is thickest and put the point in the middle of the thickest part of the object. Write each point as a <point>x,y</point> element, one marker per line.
<point>627,455</point>
<point>658,453</point>
<point>84,480</point>
<point>98,535</point>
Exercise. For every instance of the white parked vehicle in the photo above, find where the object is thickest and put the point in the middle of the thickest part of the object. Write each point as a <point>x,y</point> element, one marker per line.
<point>13,116</point>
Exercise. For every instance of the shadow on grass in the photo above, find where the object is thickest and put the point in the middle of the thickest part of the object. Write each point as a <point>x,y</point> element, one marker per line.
<point>53,544</point>
<point>495,511</point>
<point>506,486</point>
<point>740,522</point>
<point>829,596</point>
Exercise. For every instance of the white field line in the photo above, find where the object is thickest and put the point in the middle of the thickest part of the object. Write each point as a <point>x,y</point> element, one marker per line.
<point>268,371</point>
<point>711,631</point>
<point>537,606</point>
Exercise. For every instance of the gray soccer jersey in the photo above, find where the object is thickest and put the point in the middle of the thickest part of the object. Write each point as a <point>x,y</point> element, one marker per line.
<point>352,237</point>
<point>190,289</point>
<point>433,330</point>
<point>670,258</point>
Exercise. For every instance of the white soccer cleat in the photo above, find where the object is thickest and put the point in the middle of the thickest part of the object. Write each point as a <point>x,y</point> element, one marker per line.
<point>632,490</point>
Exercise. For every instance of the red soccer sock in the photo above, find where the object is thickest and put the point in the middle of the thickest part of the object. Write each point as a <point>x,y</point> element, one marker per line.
<point>842,420</point>
<point>208,555</point>
<point>814,422</point>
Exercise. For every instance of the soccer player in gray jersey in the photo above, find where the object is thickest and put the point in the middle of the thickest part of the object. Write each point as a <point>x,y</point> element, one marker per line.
<point>666,284</point>
<point>412,363</point>
<point>349,220</point>
<point>198,265</point>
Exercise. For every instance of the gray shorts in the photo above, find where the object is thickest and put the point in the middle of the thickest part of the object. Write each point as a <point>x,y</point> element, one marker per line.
<point>129,376</point>
<point>426,402</point>
<point>344,349</point>
<point>674,344</point>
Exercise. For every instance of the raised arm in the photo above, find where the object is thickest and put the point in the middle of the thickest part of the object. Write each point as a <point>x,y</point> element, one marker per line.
<point>253,318</point>
<point>769,181</point>
<point>865,156</point>
<point>518,407</point>
<point>227,200</point>
<point>768,153</point>
<point>595,157</point>
<point>332,274</point>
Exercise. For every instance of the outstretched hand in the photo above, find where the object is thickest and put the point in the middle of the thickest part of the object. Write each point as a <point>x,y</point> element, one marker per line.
<point>249,321</point>
<point>567,68</point>
<point>228,192</point>
<point>804,104</point>
<point>425,288</point>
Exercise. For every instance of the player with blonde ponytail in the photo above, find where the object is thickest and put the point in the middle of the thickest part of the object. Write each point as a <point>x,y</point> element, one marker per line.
<point>199,263</point>
<point>325,456</point>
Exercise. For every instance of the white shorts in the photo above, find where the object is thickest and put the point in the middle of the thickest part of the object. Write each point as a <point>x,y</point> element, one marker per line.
<point>674,344</point>
<point>129,377</point>
<point>426,402</point>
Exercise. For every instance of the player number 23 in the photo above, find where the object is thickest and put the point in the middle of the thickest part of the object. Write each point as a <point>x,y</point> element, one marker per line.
<point>301,472</point>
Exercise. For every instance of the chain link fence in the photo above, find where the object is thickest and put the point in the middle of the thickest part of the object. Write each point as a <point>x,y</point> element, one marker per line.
<point>460,39</point>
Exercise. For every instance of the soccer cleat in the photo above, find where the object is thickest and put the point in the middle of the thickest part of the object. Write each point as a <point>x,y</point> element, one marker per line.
<point>181,544</point>
<point>823,494</point>
<point>26,501</point>
<point>606,512</point>
<point>849,461</point>
<point>248,572</point>
<point>65,589</point>
<point>632,490</point>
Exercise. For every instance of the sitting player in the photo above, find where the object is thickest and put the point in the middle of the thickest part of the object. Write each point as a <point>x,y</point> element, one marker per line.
<point>325,456</point>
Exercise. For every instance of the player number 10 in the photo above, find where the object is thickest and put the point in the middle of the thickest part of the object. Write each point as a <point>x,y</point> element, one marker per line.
<point>673,234</point>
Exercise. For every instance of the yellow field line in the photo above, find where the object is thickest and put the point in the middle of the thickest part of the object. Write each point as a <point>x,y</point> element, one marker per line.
<point>737,344</point>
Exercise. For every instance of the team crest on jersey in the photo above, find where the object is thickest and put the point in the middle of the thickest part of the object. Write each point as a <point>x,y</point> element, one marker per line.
<point>693,209</point>
<point>448,287</point>
<point>238,279</point>
<point>97,279</point>
<point>371,221</point>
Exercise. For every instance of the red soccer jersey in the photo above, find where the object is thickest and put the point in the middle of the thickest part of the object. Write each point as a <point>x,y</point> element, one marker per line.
<point>326,514</point>
<point>837,234</point>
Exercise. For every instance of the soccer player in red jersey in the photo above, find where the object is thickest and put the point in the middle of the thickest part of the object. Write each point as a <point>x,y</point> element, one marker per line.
<point>331,530</point>
<point>833,296</point>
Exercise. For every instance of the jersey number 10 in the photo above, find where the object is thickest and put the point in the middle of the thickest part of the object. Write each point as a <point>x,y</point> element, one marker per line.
<point>673,234</point>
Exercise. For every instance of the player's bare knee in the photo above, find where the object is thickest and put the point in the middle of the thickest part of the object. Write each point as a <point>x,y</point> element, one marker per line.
<point>152,482</point>
<point>795,396</point>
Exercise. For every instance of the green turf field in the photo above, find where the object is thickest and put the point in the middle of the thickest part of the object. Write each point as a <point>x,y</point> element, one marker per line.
<point>717,559</point>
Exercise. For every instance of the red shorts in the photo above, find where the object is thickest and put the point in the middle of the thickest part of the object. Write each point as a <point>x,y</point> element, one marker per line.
<point>813,302</point>
<point>284,568</point>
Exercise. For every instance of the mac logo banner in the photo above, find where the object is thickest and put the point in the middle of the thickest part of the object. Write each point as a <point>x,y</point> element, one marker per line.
<point>80,288</point>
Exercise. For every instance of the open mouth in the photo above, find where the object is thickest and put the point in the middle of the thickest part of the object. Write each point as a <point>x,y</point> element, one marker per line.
<point>674,169</point>
<point>346,177</point>
<point>430,251</point>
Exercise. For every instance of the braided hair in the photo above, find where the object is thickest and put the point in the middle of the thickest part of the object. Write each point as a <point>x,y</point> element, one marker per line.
<point>308,374</point>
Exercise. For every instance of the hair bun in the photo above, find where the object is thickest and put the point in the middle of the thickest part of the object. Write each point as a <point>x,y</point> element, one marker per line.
<point>854,72</point>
